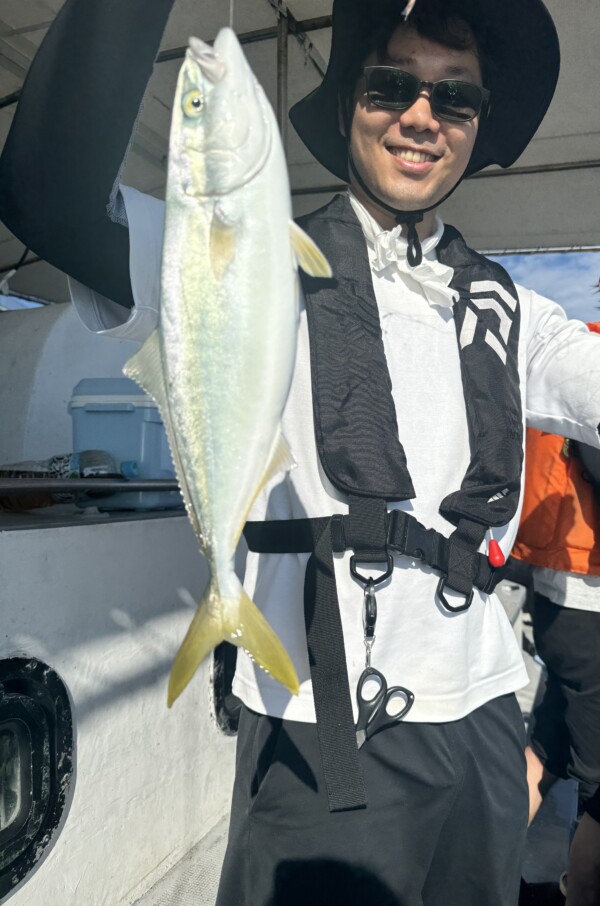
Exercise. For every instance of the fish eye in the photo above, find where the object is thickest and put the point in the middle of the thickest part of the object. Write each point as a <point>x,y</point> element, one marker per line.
<point>192,103</point>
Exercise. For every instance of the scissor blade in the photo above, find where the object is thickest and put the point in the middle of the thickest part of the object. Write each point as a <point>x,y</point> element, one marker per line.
<point>361,738</point>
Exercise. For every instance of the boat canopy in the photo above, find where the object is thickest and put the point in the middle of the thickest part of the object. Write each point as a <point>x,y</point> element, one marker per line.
<point>548,200</point>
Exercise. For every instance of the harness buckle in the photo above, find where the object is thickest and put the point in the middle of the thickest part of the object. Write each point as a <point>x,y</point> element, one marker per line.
<point>407,536</point>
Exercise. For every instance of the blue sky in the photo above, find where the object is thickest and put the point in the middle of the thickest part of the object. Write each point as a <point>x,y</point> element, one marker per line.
<point>568,278</point>
<point>9,303</point>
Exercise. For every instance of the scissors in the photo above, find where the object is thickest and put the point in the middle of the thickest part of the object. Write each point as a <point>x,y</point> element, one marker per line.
<point>373,714</point>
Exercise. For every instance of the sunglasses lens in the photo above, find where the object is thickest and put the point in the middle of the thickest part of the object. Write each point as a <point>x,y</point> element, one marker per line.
<point>393,88</point>
<point>456,101</point>
<point>396,89</point>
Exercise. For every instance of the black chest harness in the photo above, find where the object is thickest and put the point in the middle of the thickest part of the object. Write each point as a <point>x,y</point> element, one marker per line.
<point>361,454</point>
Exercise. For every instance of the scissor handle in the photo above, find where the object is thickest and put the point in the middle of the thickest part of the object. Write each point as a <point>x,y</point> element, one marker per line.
<point>381,719</point>
<point>372,712</point>
<point>398,715</point>
<point>368,707</point>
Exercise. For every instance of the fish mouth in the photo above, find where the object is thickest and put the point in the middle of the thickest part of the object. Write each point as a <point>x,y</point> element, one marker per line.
<point>210,63</point>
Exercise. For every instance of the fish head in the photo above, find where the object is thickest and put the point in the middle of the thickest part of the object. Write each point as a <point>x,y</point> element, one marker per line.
<point>222,124</point>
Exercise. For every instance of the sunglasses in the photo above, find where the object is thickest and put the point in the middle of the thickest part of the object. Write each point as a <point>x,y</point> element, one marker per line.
<point>450,99</point>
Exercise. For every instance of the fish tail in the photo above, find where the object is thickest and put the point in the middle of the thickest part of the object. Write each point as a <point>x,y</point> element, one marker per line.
<point>239,622</point>
<point>256,637</point>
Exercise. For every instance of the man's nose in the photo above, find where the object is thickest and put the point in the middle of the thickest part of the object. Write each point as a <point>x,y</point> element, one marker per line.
<point>419,115</point>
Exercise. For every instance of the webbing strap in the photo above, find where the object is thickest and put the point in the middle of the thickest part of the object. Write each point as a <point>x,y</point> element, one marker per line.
<point>285,536</point>
<point>456,557</point>
<point>462,565</point>
<point>365,528</point>
<point>331,690</point>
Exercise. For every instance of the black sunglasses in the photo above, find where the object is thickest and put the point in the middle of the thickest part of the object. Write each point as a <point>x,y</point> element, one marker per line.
<point>450,99</point>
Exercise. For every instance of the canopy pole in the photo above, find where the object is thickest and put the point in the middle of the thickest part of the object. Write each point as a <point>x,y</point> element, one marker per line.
<point>282,72</point>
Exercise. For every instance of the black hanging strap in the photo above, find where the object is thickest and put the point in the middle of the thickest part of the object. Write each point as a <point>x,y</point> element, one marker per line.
<point>331,691</point>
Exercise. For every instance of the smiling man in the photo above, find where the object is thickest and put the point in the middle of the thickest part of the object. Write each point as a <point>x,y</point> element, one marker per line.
<point>397,775</point>
<point>411,156</point>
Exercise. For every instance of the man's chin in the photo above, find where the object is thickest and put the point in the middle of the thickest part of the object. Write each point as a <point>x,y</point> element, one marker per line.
<point>408,202</point>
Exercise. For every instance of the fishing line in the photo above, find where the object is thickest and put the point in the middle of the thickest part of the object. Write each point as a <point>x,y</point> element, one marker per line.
<point>231,11</point>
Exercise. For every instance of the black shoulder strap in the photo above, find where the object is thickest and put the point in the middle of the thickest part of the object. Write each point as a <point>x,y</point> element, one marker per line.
<point>354,414</point>
<point>487,319</point>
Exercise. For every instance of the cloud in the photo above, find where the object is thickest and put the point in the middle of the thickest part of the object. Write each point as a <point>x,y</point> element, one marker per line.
<point>568,278</point>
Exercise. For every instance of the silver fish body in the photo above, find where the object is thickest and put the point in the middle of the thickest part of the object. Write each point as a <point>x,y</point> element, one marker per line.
<point>220,363</point>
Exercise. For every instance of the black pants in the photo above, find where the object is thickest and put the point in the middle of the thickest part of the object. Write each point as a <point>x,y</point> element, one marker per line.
<point>444,826</point>
<point>566,728</point>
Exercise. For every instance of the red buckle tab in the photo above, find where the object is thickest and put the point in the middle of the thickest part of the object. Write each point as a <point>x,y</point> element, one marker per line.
<point>495,555</point>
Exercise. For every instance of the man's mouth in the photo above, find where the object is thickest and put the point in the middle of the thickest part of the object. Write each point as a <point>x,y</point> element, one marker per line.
<point>415,157</point>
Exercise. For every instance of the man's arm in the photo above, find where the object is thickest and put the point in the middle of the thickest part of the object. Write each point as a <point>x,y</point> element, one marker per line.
<point>70,134</point>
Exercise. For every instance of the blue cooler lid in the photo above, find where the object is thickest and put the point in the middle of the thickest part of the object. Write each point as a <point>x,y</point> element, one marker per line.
<point>107,387</point>
<point>108,390</point>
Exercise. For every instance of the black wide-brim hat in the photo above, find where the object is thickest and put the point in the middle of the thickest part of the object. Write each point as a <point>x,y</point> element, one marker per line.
<point>524,50</point>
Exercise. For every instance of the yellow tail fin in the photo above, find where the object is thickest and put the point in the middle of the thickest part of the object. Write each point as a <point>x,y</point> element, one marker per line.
<point>239,622</point>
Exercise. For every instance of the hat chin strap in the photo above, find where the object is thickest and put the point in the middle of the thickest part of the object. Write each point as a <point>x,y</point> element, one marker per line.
<point>414,252</point>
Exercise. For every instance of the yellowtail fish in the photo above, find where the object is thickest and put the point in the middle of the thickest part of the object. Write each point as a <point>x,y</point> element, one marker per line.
<point>219,364</point>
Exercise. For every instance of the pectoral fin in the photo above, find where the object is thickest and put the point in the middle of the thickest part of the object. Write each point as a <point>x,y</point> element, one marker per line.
<point>281,460</point>
<point>310,257</point>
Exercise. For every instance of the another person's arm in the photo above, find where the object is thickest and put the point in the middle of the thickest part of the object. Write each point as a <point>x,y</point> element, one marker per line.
<point>61,162</point>
<point>563,371</point>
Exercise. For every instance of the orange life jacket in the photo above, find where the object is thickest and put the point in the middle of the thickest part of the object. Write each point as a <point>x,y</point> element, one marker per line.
<point>560,522</point>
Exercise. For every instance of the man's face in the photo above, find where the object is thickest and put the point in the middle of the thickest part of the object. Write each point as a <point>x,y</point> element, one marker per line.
<point>409,158</point>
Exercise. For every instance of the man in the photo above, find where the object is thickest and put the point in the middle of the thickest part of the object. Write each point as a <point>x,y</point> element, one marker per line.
<point>415,366</point>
